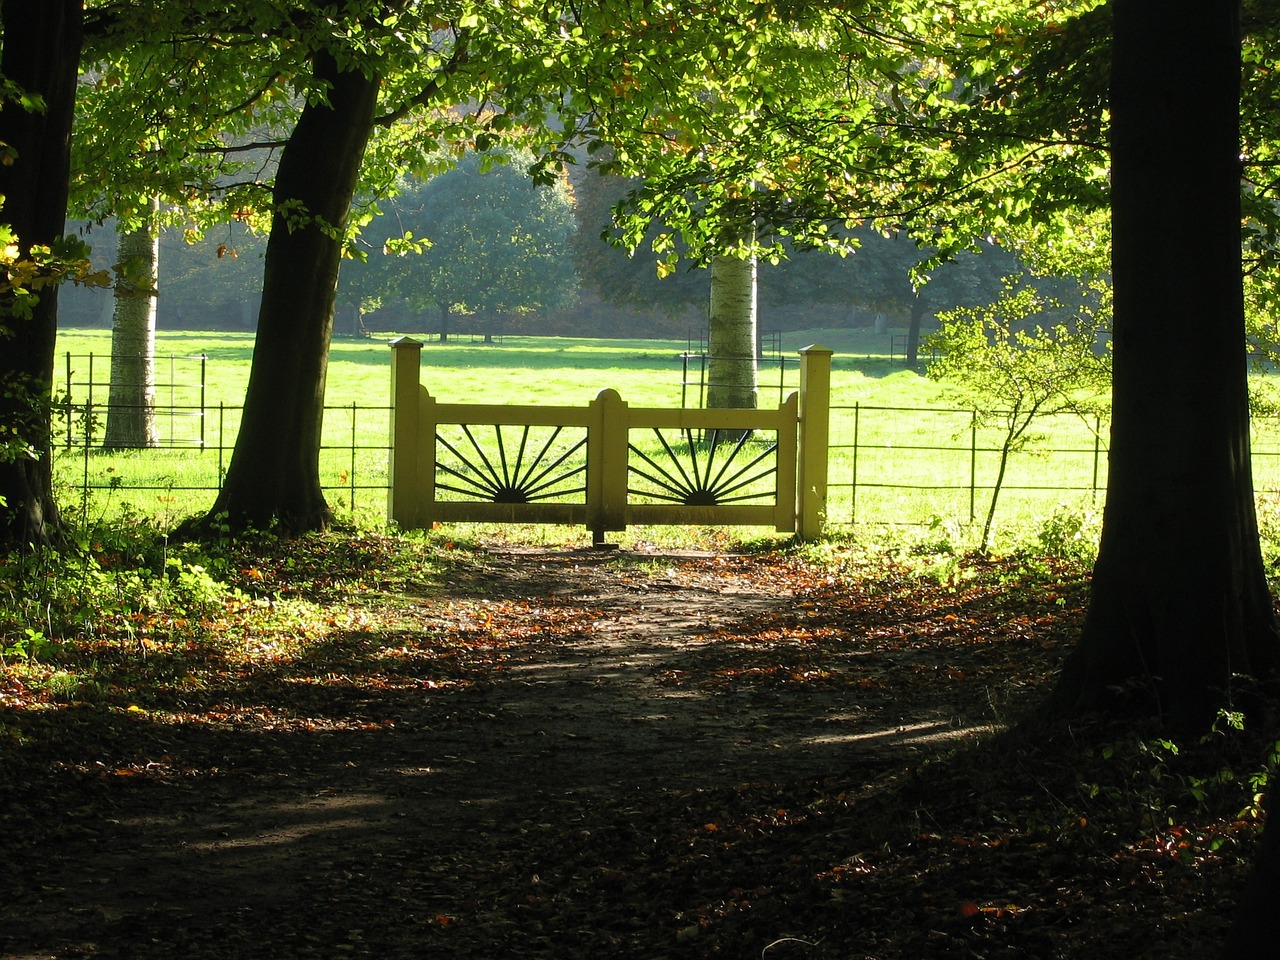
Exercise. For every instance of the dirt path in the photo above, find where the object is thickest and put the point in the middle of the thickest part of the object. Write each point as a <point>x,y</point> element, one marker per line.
<point>493,819</point>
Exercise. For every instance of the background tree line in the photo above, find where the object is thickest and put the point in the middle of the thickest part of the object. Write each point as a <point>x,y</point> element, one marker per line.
<point>489,251</point>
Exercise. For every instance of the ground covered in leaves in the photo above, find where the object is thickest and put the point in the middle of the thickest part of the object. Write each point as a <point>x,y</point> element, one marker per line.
<point>379,748</point>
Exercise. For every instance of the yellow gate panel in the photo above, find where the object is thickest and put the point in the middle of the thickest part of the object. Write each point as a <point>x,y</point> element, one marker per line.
<point>606,465</point>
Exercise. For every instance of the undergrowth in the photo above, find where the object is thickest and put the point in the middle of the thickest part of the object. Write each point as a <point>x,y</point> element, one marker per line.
<point>1057,822</point>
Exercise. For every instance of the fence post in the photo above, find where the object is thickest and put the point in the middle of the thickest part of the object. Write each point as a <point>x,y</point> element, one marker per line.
<point>352,475</point>
<point>402,471</point>
<point>204,370</point>
<point>607,467</point>
<point>1097,455</point>
<point>853,487</point>
<point>67,403</point>
<point>815,429</point>
<point>973,466</point>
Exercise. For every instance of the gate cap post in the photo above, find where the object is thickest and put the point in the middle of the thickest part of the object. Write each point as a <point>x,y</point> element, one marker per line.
<point>607,465</point>
<point>815,428</point>
<point>402,469</point>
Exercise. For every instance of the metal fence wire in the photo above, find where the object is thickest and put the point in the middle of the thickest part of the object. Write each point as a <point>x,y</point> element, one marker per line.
<point>887,465</point>
<point>353,471</point>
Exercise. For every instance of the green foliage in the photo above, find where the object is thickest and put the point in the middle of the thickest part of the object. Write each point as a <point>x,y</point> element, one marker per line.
<point>25,275</point>
<point>1070,534</point>
<point>1019,354</point>
<point>1161,786</point>
<point>27,647</point>
<point>482,237</point>
<point>120,580</point>
<point>821,117</point>
<point>1019,359</point>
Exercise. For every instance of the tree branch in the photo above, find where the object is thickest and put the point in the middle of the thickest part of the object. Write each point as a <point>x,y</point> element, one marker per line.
<point>243,147</point>
<point>428,93</point>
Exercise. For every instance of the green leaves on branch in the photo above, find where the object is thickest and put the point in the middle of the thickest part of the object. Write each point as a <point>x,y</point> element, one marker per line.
<point>1027,351</point>
<point>1025,357</point>
<point>23,275</point>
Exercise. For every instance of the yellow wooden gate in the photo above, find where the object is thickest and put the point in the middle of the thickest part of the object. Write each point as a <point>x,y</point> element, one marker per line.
<point>608,465</point>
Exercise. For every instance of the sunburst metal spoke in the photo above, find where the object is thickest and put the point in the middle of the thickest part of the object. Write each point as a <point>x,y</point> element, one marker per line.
<point>479,482</point>
<point>537,492</point>
<point>509,470</point>
<point>476,488</point>
<point>535,481</point>
<point>740,478</point>
<point>675,492</point>
<point>702,478</point>
<point>685,482</point>
<point>743,437</point>
<point>502,456</point>
<point>484,458</point>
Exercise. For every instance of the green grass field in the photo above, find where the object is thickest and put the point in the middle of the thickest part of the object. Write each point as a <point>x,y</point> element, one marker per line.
<point>902,452</point>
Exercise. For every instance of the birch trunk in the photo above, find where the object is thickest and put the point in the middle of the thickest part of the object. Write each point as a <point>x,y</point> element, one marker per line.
<point>131,403</point>
<point>731,345</point>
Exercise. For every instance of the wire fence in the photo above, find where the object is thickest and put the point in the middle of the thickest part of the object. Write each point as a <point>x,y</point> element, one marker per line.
<point>179,390</point>
<point>193,441</point>
<point>911,465</point>
<point>173,474</point>
<point>776,372</point>
<point>887,465</point>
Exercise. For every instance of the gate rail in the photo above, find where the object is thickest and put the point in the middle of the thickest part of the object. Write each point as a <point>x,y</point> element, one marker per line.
<point>590,465</point>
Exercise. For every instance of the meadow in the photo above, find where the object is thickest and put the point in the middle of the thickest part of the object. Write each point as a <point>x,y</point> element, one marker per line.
<point>904,449</point>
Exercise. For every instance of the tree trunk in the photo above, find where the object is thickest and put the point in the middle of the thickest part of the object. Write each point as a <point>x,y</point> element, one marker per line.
<point>445,310</point>
<point>131,403</point>
<point>1179,606</point>
<point>41,56</point>
<point>347,318</point>
<point>731,343</point>
<point>919,307</point>
<point>274,474</point>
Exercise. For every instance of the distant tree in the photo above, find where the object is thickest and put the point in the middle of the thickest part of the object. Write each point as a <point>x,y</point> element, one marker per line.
<point>870,277</point>
<point>213,278</point>
<point>482,239</point>
<point>620,276</point>
<point>965,279</point>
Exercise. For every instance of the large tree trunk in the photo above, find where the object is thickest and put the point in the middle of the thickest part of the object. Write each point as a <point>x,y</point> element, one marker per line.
<point>731,343</point>
<point>274,474</point>
<point>1179,605</point>
<point>41,56</point>
<point>131,403</point>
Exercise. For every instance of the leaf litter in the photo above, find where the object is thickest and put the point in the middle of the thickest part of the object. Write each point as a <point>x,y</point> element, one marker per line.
<point>573,753</point>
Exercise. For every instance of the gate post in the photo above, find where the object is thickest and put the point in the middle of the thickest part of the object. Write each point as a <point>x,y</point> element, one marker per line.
<point>815,429</point>
<point>607,466</point>
<point>402,470</point>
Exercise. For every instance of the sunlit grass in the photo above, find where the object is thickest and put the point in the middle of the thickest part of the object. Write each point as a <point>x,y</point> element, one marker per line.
<point>918,459</point>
